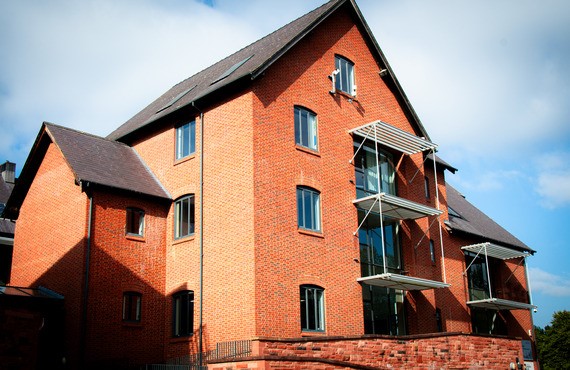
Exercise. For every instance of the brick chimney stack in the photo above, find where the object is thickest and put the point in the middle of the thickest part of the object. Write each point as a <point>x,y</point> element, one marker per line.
<point>8,171</point>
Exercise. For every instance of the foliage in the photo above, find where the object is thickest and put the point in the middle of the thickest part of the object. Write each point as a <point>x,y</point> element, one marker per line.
<point>553,342</point>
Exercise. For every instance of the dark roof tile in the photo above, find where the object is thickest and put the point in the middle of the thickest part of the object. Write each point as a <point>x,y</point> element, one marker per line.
<point>247,62</point>
<point>105,162</point>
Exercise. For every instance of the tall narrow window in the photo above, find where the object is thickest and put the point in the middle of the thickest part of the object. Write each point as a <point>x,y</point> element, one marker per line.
<point>308,209</point>
<point>132,306</point>
<point>432,251</point>
<point>426,187</point>
<point>183,314</point>
<point>344,80</point>
<point>184,216</point>
<point>185,140</point>
<point>135,221</point>
<point>312,308</point>
<point>305,128</point>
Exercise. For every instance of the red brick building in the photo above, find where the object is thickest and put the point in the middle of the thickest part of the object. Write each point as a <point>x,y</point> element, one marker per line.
<point>284,206</point>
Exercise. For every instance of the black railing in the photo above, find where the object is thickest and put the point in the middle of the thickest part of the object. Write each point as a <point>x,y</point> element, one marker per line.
<point>224,350</point>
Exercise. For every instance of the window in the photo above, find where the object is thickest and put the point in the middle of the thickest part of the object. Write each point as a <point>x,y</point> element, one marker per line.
<point>184,217</point>
<point>477,277</point>
<point>426,186</point>
<point>308,209</point>
<point>186,140</point>
<point>372,171</point>
<point>135,221</point>
<point>183,314</point>
<point>370,237</point>
<point>305,128</point>
<point>312,308</point>
<point>438,320</point>
<point>132,306</point>
<point>344,80</point>
<point>432,251</point>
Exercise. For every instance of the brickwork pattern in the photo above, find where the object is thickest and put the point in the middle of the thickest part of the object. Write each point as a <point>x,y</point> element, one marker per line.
<point>450,351</point>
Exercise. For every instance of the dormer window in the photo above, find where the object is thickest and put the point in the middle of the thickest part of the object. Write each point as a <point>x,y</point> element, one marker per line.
<point>344,79</point>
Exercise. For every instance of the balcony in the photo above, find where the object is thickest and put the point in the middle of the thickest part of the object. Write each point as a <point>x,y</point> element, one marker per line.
<point>484,295</point>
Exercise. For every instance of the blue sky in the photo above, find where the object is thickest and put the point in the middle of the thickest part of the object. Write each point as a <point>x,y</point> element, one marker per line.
<point>489,80</point>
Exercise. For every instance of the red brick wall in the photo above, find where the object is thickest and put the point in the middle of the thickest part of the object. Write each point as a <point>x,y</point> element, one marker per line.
<point>287,257</point>
<point>49,240</point>
<point>228,223</point>
<point>121,263</point>
<point>450,351</point>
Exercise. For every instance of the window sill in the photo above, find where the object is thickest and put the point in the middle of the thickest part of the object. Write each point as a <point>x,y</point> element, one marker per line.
<point>184,159</point>
<point>344,94</point>
<point>184,239</point>
<point>132,324</point>
<point>181,339</point>
<point>307,150</point>
<point>313,333</point>
<point>317,234</point>
<point>136,238</point>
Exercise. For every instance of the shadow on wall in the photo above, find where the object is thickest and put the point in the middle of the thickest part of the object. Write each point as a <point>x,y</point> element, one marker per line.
<point>111,337</point>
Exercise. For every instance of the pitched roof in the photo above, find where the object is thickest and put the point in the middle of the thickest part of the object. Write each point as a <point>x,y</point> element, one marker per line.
<point>5,190</point>
<point>247,64</point>
<point>441,163</point>
<point>92,159</point>
<point>105,162</point>
<point>474,222</point>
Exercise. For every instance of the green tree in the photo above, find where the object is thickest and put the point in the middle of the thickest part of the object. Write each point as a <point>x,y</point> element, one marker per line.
<point>553,342</point>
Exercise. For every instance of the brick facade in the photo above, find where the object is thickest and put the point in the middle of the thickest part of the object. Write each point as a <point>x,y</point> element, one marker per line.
<point>255,258</point>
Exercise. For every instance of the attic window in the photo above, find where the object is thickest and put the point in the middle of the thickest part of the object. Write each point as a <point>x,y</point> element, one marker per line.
<point>452,212</point>
<point>231,70</point>
<point>176,98</point>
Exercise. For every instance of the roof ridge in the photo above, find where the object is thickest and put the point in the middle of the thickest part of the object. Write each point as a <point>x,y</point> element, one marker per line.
<point>48,124</point>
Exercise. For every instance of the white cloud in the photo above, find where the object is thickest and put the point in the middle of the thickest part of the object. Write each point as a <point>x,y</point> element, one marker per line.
<point>548,283</point>
<point>488,78</point>
<point>553,180</point>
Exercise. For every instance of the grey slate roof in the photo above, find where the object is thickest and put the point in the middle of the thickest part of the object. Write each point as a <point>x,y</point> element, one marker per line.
<point>247,64</point>
<point>478,224</point>
<point>255,58</point>
<point>105,162</point>
<point>5,190</point>
<point>441,163</point>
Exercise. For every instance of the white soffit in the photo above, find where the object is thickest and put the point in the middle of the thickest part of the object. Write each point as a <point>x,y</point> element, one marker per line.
<point>403,282</point>
<point>500,304</point>
<point>495,251</point>
<point>393,137</point>
<point>395,207</point>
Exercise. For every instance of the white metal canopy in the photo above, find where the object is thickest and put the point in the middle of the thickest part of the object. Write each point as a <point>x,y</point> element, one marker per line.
<point>495,251</point>
<point>500,304</point>
<point>403,282</point>
<point>395,207</point>
<point>393,137</point>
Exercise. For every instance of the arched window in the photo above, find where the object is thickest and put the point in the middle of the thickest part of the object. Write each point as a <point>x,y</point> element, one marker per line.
<point>344,80</point>
<point>184,210</point>
<point>305,128</point>
<point>308,209</point>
